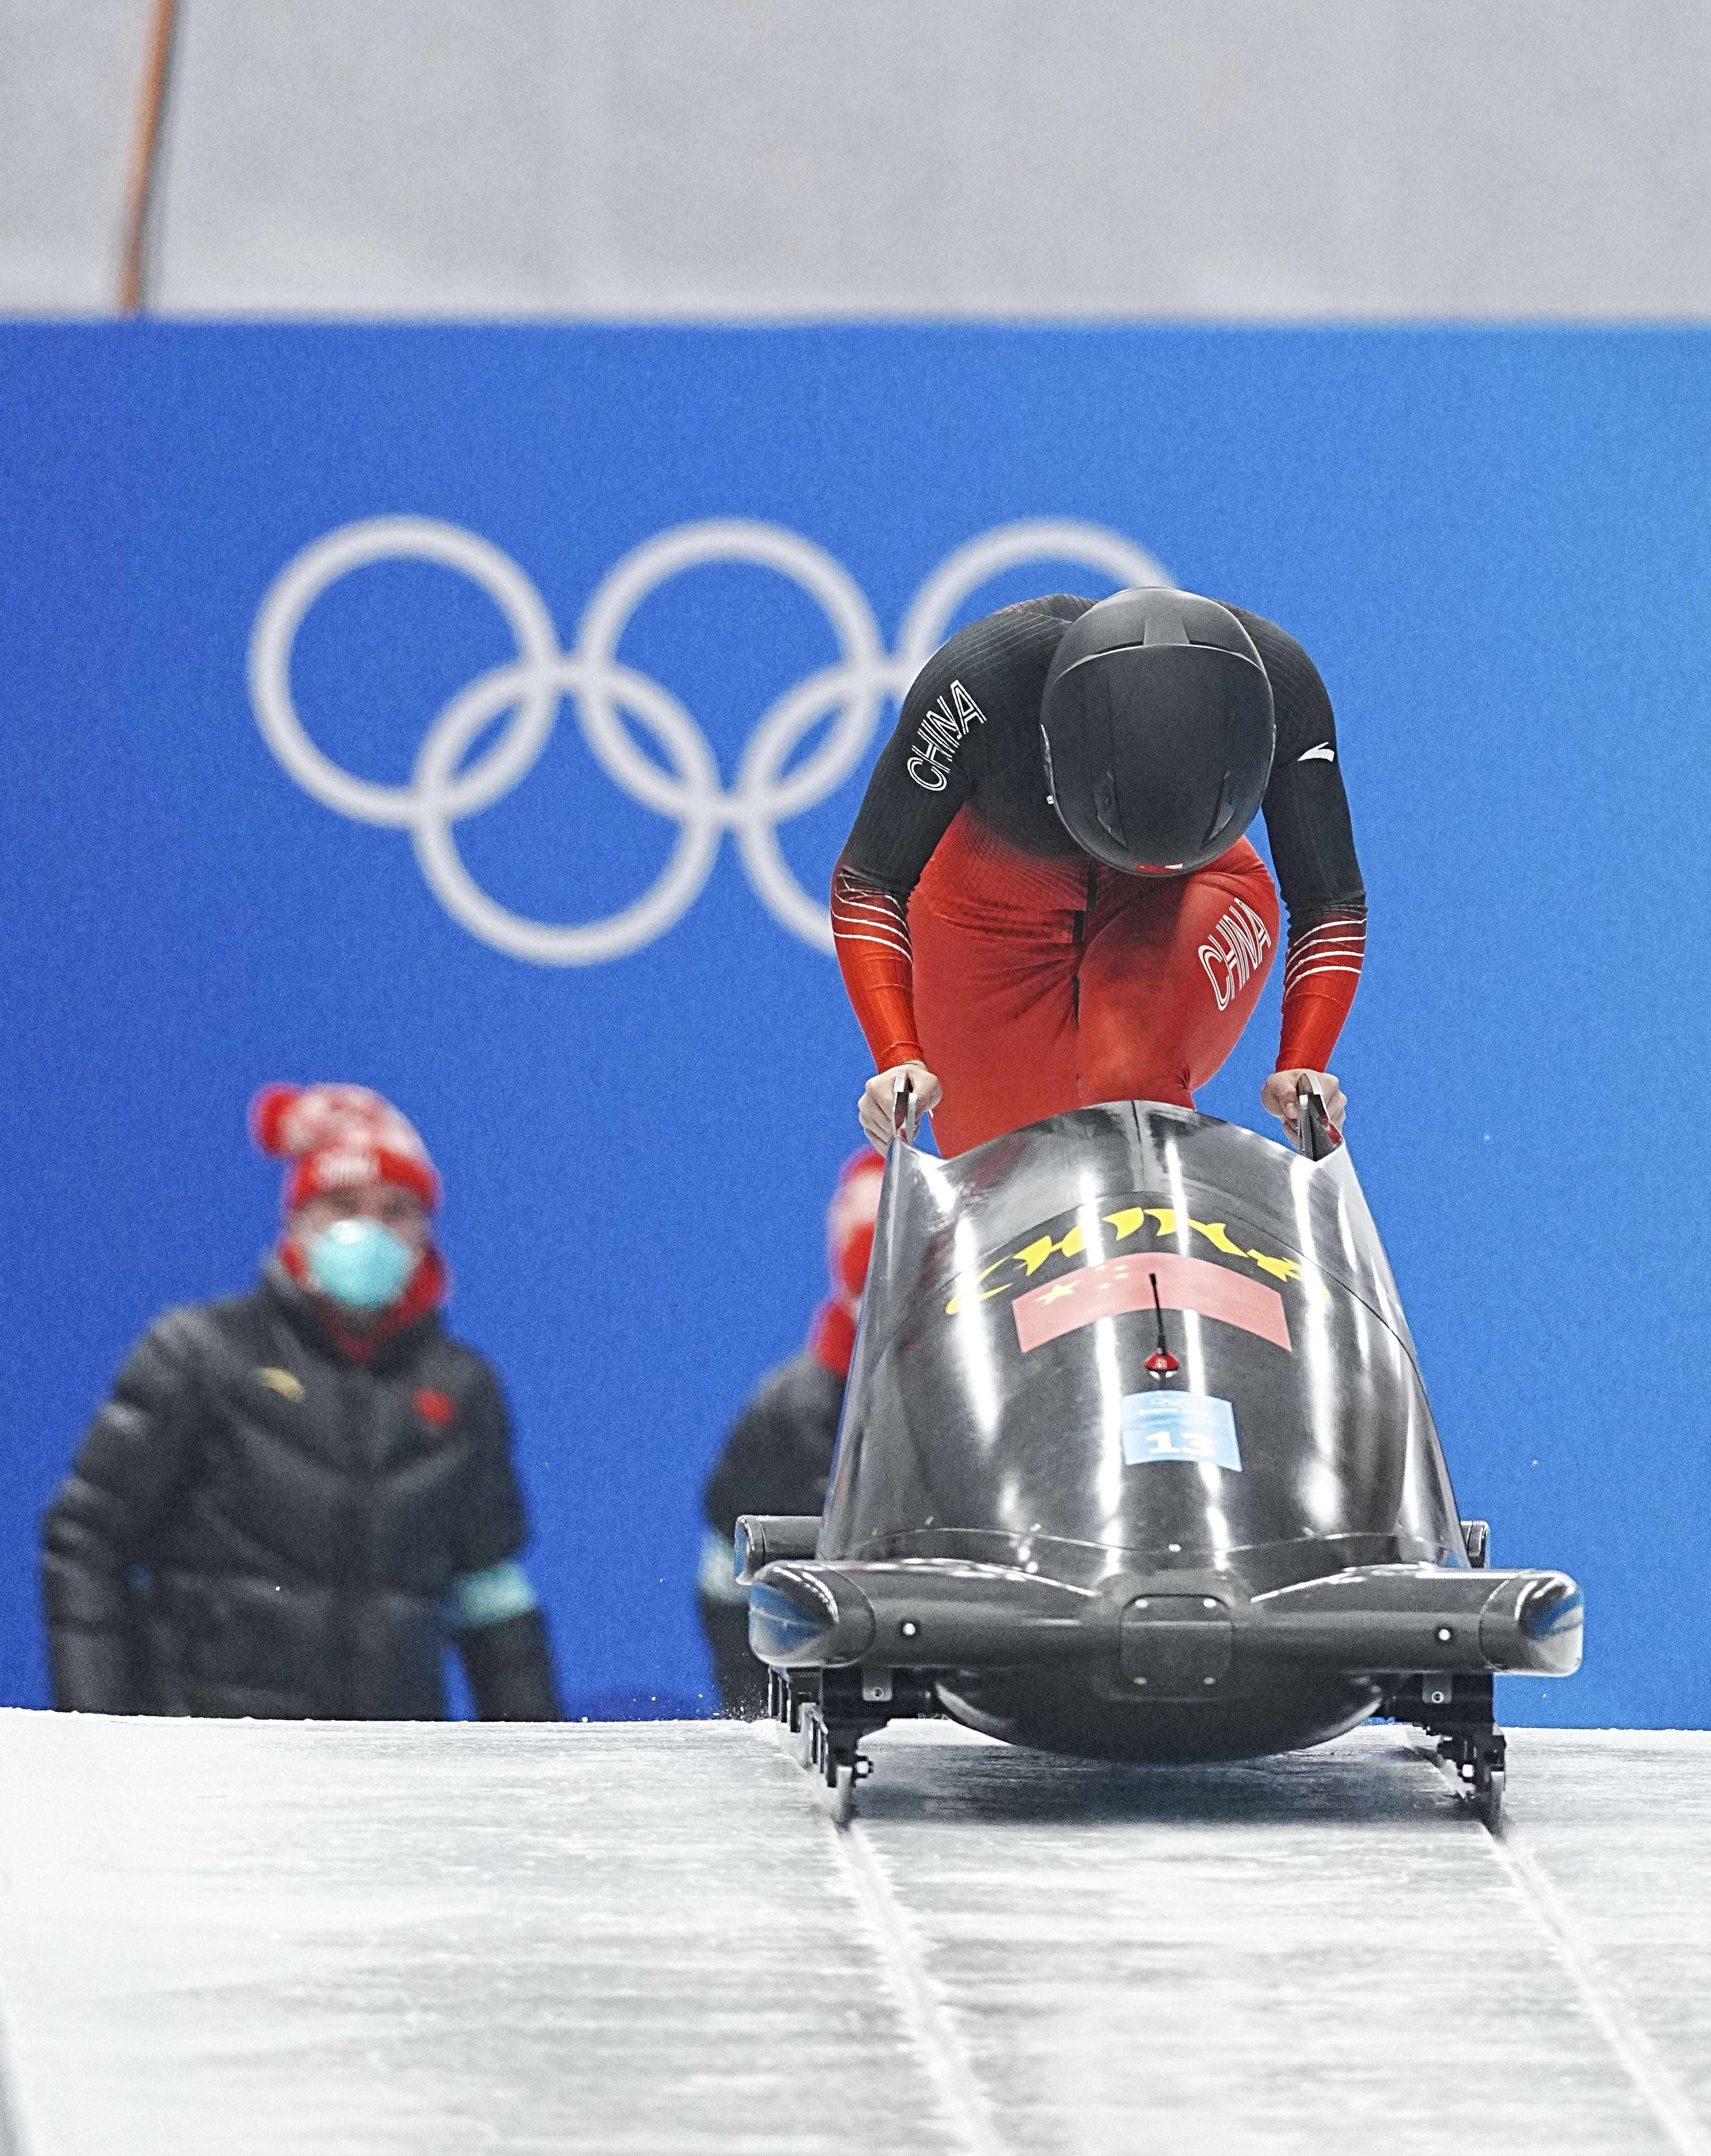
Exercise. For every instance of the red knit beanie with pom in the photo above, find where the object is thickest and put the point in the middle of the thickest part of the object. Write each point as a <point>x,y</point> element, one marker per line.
<point>339,1137</point>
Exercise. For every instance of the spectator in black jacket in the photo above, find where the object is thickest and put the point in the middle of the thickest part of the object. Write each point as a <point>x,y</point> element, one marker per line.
<point>293,1495</point>
<point>778,1455</point>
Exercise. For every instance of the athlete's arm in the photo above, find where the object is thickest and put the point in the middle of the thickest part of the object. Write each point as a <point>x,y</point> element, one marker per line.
<point>972,708</point>
<point>872,931</point>
<point>911,801</point>
<point>1312,849</point>
<point>924,773</point>
<point>871,927</point>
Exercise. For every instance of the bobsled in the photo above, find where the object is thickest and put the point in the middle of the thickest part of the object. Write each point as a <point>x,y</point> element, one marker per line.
<point>1136,1462</point>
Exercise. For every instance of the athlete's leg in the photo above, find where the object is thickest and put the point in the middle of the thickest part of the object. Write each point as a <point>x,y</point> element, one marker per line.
<point>995,942</point>
<point>1170,976</point>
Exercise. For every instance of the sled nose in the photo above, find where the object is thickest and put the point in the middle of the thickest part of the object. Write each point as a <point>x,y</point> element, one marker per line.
<point>1388,1617</point>
<point>1534,1623</point>
<point>804,1616</point>
<point>762,1538</point>
<point>916,1613</point>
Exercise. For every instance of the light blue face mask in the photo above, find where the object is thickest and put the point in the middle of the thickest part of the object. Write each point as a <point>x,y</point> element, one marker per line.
<point>360,1264</point>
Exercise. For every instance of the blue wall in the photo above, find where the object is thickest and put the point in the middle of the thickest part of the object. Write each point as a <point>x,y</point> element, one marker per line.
<point>1497,546</point>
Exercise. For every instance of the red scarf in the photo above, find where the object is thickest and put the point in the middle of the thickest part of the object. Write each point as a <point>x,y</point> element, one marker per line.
<point>425,1290</point>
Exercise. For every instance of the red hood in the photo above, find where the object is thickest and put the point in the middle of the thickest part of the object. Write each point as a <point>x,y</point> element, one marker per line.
<point>850,1221</point>
<point>831,1337</point>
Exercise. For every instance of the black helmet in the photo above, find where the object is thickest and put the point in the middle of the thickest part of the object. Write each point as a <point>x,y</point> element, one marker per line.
<point>1158,730</point>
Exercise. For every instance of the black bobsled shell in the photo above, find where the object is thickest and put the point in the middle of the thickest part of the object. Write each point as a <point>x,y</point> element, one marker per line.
<point>1136,1462</point>
<point>958,1441</point>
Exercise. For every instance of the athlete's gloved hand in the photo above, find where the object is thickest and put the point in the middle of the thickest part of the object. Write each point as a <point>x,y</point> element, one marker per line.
<point>875,1106</point>
<point>1278,1095</point>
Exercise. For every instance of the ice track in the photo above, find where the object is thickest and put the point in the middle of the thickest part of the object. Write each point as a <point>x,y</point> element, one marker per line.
<point>262,1940</point>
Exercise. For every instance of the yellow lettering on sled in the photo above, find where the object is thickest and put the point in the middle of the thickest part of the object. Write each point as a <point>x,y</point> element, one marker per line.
<point>1129,1220</point>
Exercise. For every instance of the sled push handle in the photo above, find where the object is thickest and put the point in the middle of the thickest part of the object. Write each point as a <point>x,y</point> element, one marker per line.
<point>905,1115</point>
<point>1315,1134</point>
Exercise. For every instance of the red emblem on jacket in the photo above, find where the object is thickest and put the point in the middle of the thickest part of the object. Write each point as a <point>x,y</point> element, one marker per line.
<point>436,1407</point>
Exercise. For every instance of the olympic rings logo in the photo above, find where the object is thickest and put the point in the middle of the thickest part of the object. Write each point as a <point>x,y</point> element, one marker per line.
<point>609,697</point>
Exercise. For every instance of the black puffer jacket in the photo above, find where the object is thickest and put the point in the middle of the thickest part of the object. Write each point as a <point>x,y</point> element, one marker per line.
<point>256,1524</point>
<point>778,1455</point>
<point>775,1460</point>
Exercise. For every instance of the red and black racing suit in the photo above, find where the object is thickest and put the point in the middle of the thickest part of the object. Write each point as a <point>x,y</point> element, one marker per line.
<point>975,937</point>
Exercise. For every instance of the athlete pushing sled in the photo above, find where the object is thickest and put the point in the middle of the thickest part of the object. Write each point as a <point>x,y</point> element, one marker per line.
<point>1135,1458</point>
<point>1047,900</point>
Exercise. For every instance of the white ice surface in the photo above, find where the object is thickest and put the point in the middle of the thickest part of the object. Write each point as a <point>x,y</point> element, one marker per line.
<point>266,1938</point>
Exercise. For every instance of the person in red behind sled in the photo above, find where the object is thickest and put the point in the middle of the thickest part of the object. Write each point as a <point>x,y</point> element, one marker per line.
<point>1047,900</point>
<point>779,1455</point>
